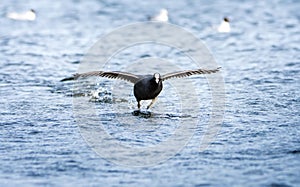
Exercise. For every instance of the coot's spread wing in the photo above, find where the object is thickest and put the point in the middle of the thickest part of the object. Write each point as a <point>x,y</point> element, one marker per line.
<point>112,75</point>
<point>187,73</point>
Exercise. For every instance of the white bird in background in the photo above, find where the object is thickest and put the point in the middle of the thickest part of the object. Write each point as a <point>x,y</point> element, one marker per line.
<point>29,15</point>
<point>224,26</point>
<point>162,16</point>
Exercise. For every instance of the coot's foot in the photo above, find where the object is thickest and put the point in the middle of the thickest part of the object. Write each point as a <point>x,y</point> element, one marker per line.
<point>145,114</point>
<point>136,112</point>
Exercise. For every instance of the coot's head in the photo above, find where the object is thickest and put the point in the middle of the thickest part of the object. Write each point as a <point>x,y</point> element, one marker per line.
<point>157,77</point>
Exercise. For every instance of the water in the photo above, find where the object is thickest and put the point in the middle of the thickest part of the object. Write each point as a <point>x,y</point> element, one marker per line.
<point>258,144</point>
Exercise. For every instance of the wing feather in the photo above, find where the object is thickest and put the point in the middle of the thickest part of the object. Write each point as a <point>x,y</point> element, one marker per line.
<point>181,74</point>
<point>111,75</point>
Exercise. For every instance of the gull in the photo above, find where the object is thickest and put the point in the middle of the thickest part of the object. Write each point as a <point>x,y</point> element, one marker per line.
<point>29,15</point>
<point>162,16</point>
<point>224,26</point>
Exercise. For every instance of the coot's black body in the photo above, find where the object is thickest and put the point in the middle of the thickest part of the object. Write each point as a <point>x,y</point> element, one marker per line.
<point>147,88</point>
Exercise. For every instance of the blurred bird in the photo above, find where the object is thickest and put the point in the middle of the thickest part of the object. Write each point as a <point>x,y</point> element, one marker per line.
<point>29,15</point>
<point>162,16</point>
<point>224,26</point>
<point>146,87</point>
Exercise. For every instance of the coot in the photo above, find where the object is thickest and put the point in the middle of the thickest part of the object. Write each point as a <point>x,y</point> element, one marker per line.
<point>146,87</point>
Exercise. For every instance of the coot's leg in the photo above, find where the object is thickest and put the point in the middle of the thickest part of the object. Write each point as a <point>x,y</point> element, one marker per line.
<point>139,105</point>
<point>152,102</point>
<point>138,111</point>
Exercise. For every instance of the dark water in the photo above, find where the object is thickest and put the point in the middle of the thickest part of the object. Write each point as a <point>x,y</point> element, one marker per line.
<point>257,145</point>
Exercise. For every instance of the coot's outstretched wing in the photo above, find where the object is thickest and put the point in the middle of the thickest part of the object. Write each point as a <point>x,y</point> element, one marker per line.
<point>187,73</point>
<point>112,75</point>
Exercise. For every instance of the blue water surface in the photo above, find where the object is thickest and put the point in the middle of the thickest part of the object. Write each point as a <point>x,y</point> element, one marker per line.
<point>257,145</point>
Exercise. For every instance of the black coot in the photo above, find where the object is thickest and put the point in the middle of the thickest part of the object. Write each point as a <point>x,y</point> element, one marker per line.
<point>145,87</point>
